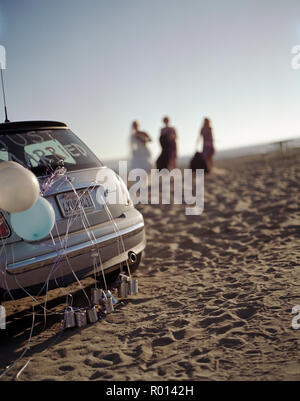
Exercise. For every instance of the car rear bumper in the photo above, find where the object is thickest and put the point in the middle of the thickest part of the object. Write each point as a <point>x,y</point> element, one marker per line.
<point>110,243</point>
<point>70,252</point>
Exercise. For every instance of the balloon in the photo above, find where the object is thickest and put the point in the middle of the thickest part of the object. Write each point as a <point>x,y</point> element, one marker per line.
<point>4,164</point>
<point>35,223</point>
<point>19,187</point>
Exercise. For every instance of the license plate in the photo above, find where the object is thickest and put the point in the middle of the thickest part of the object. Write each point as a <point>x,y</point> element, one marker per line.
<point>71,203</point>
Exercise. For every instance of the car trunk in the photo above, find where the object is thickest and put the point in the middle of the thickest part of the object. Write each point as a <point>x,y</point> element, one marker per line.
<point>64,191</point>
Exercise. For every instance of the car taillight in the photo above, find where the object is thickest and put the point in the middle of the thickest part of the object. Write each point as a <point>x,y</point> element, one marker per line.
<point>4,228</point>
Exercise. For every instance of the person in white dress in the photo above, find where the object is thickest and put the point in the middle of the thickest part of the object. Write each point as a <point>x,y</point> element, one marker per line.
<point>140,154</point>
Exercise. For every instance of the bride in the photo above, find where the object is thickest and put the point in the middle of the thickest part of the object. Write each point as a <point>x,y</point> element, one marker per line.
<point>140,154</point>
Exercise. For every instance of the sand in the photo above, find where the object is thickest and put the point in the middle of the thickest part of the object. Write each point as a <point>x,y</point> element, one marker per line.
<point>216,292</point>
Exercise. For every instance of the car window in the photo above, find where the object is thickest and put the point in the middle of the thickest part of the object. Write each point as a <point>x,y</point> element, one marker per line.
<point>3,155</point>
<point>44,150</point>
<point>37,153</point>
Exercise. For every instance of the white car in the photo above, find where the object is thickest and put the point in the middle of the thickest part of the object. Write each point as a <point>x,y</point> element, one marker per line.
<point>85,230</point>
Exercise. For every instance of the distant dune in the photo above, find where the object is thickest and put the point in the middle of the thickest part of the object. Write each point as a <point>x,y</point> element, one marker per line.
<point>260,149</point>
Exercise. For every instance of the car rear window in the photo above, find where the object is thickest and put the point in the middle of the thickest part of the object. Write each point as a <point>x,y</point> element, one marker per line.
<point>43,150</point>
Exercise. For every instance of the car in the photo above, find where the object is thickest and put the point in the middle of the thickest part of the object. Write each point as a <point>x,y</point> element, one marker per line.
<point>91,235</point>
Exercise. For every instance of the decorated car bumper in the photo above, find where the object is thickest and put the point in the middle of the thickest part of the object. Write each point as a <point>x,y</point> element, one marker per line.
<point>76,260</point>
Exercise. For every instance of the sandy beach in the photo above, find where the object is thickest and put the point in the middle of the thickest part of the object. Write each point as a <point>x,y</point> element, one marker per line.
<point>216,293</point>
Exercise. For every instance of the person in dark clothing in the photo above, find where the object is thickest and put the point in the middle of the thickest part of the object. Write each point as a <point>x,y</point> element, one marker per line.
<point>208,144</point>
<point>168,156</point>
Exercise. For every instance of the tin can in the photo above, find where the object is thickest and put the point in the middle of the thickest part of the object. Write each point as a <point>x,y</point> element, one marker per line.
<point>108,294</point>
<point>96,294</point>
<point>69,318</point>
<point>123,290</point>
<point>92,315</point>
<point>114,299</point>
<point>133,287</point>
<point>81,318</point>
<point>109,306</point>
<point>123,277</point>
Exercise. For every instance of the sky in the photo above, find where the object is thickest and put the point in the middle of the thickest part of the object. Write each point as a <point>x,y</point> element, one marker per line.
<point>97,65</point>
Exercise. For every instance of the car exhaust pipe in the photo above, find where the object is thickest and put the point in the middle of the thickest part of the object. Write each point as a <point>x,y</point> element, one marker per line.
<point>132,257</point>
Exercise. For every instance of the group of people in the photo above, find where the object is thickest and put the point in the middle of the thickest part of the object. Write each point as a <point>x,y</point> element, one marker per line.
<point>141,155</point>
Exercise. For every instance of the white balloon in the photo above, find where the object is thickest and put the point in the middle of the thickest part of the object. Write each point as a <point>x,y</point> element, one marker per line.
<point>19,187</point>
<point>4,164</point>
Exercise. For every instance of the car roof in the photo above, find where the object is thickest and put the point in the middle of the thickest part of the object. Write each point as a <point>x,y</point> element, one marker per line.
<point>30,125</point>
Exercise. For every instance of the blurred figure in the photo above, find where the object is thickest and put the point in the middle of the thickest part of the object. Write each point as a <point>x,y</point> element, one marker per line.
<point>208,144</point>
<point>168,156</point>
<point>140,154</point>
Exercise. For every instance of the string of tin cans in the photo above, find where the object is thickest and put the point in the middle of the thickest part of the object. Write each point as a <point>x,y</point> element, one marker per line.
<point>102,303</point>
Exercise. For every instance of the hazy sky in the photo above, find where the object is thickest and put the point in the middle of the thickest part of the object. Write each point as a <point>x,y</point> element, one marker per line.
<point>100,64</point>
